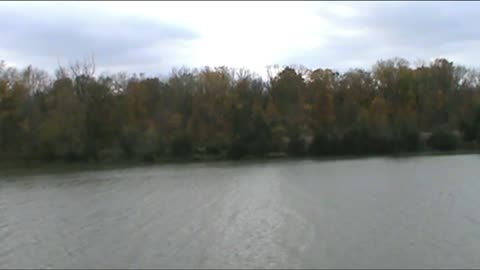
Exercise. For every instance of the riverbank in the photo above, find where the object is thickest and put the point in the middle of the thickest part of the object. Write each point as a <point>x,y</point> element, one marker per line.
<point>42,167</point>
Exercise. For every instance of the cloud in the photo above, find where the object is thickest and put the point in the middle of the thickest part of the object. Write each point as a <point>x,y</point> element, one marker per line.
<point>424,24</point>
<point>43,36</point>
<point>155,36</point>
<point>413,30</point>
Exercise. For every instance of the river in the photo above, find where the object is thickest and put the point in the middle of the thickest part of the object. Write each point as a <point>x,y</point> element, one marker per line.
<point>417,212</point>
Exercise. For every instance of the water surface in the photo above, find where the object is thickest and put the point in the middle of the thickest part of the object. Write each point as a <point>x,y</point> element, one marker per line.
<point>366,213</point>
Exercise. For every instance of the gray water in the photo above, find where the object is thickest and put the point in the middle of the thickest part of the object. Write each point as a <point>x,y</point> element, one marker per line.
<point>368,213</point>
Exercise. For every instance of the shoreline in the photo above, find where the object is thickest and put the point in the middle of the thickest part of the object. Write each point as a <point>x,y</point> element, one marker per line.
<point>24,168</point>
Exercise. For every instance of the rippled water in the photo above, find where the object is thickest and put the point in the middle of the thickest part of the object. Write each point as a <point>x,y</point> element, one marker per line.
<point>367,213</point>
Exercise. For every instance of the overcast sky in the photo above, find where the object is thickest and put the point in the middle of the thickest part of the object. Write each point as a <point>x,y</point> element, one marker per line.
<point>153,37</point>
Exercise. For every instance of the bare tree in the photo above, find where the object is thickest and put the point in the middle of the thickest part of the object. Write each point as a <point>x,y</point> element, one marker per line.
<point>35,79</point>
<point>85,68</point>
<point>61,71</point>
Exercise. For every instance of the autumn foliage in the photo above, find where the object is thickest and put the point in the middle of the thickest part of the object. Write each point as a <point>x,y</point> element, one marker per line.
<point>223,113</point>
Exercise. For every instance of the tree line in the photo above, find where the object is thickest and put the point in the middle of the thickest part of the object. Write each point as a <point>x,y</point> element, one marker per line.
<point>234,113</point>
